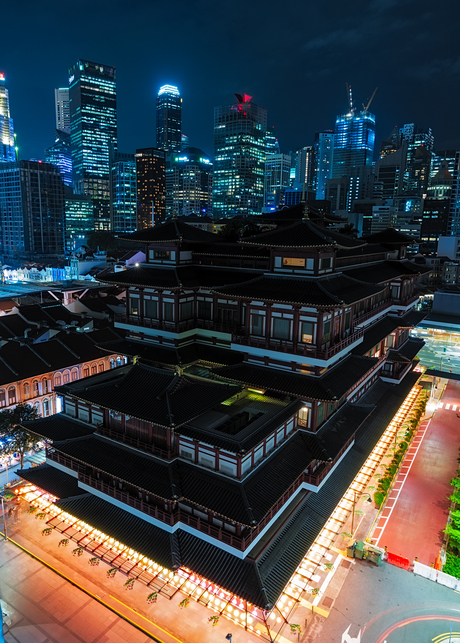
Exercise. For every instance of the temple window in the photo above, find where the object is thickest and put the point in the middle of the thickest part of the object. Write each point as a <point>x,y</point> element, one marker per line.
<point>307,332</point>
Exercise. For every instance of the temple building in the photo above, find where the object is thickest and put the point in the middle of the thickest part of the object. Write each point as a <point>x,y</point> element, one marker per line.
<point>262,374</point>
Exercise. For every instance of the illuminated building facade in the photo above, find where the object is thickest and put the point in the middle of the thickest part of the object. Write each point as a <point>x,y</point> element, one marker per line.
<point>354,140</point>
<point>324,150</point>
<point>62,109</point>
<point>79,219</point>
<point>239,158</point>
<point>7,151</point>
<point>276,180</point>
<point>60,155</point>
<point>249,356</point>
<point>123,192</point>
<point>189,183</point>
<point>93,130</point>
<point>31,209</point>
<point>169,119</point>
<point>151,186</point>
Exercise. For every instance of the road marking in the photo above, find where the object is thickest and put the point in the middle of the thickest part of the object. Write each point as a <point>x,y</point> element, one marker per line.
<point>440,405</point>
<point>448,407</point>
<point>454,408</point>
<point>88,592</point>
<point>145,618</point>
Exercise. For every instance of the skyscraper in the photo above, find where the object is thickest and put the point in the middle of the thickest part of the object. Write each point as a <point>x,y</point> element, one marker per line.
<point>151,186</point>
<point>123,192</point>
<point>239,158</point>
<point>324,150</point>
<point>93,130</point>
<point>189,183</point>
<point>31,209</point>
<point>276,180</point>
<point>60,155</point>
<point>353,142</point>
<point>61,103</point>
<point>169,119</point>
<point>79,219</point>
<point>7,151</point>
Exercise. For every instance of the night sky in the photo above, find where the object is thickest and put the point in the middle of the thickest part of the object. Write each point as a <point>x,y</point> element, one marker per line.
<point>295,64</point>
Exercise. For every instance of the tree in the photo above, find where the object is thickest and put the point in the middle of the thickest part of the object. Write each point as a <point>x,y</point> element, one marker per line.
<point>16,438</point>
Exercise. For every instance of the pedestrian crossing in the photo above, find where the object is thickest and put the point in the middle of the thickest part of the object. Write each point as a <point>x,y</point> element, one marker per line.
<point>447,407</point>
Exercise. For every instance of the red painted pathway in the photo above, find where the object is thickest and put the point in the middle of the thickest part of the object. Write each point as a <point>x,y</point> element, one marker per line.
<point>417,509</point>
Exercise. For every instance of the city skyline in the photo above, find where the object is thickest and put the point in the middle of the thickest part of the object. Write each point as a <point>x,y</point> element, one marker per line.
<point>315,61</point>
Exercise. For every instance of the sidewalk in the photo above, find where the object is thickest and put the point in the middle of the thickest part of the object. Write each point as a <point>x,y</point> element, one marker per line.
<point>163,621</point>
<point>412,522</point>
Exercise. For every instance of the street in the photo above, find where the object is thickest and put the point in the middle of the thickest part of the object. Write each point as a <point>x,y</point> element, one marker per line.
<point>389,604</point>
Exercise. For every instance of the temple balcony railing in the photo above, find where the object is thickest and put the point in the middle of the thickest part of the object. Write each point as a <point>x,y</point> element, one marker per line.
<point>121,437</point>
<point>405,302</point>
<point>297,348</point>
<point>376,310</point>
<point>176,327</point>
<point>178,515</point>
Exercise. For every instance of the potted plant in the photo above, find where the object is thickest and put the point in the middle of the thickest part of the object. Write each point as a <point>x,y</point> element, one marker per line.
<point>129,583</point>
<point>47,531</point>
<point>111,573</point>
<point>214,620</point>
<point>78,551</point>
<point>94,562</point>
<point>152,598</point>
<point>185,603</point>
<point>64,542</point>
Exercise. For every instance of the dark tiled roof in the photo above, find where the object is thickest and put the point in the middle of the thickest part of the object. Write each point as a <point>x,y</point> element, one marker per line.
<point>279,560</point>
<point>19,362</point>
<point>377,332</point>
<point>59,427</point>
<point>177,278</point>
<point>198,486</point>
<point>390,237</point>
<point>303,234</point>
<point>13,325</point>
<point>260,581</point>
<point>171,231</point>
<point>224,249</point>
<point>330,290</point>
<point>410,348</point>
<point>328,441</point>
<point>152,394</point>
<point>332,385</point>
<point>248,437</point>
<point>368,249</point>
<point>52,480</point>
<point>169,550</point>
<point>160,354</point>
<point>385,271</point>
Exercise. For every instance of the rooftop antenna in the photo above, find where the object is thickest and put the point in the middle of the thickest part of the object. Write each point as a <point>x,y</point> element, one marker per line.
<point>350,99</point>
<point>366,107</point>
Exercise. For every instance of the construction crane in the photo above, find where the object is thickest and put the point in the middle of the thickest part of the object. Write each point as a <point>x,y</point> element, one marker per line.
<point>366,107</point>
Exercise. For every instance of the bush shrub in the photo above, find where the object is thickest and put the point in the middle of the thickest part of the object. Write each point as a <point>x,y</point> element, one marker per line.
<point>452,565</point>
<point>378,498</point>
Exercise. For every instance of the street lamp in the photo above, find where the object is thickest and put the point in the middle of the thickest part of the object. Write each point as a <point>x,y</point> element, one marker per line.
<point>356,497</point>
<point>229,637</point>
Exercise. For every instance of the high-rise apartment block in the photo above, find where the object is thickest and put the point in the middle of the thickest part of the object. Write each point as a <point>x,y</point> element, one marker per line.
<point>239,158</point>
<point>60,155</point>
<point>93,129</point>
<point>7,151</point>
<point>123,192</point>
<point>189,183</point>
<point>169,119</point>
<point>151,186</point>
<point>62,109</point>
<point>31,210</point>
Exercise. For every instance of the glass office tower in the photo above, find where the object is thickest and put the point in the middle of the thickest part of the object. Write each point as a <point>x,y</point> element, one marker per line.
<point>7,151</point>
<point>60,155</point>
<point>169,119</point>
<point>93,130</point>
<point>324,151</point>
<point>151,186</point>
<point>62,109</point>
<point>353,142</point>
<point>123,192</point>
<point>239,158</point>
<point>189,183</point>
